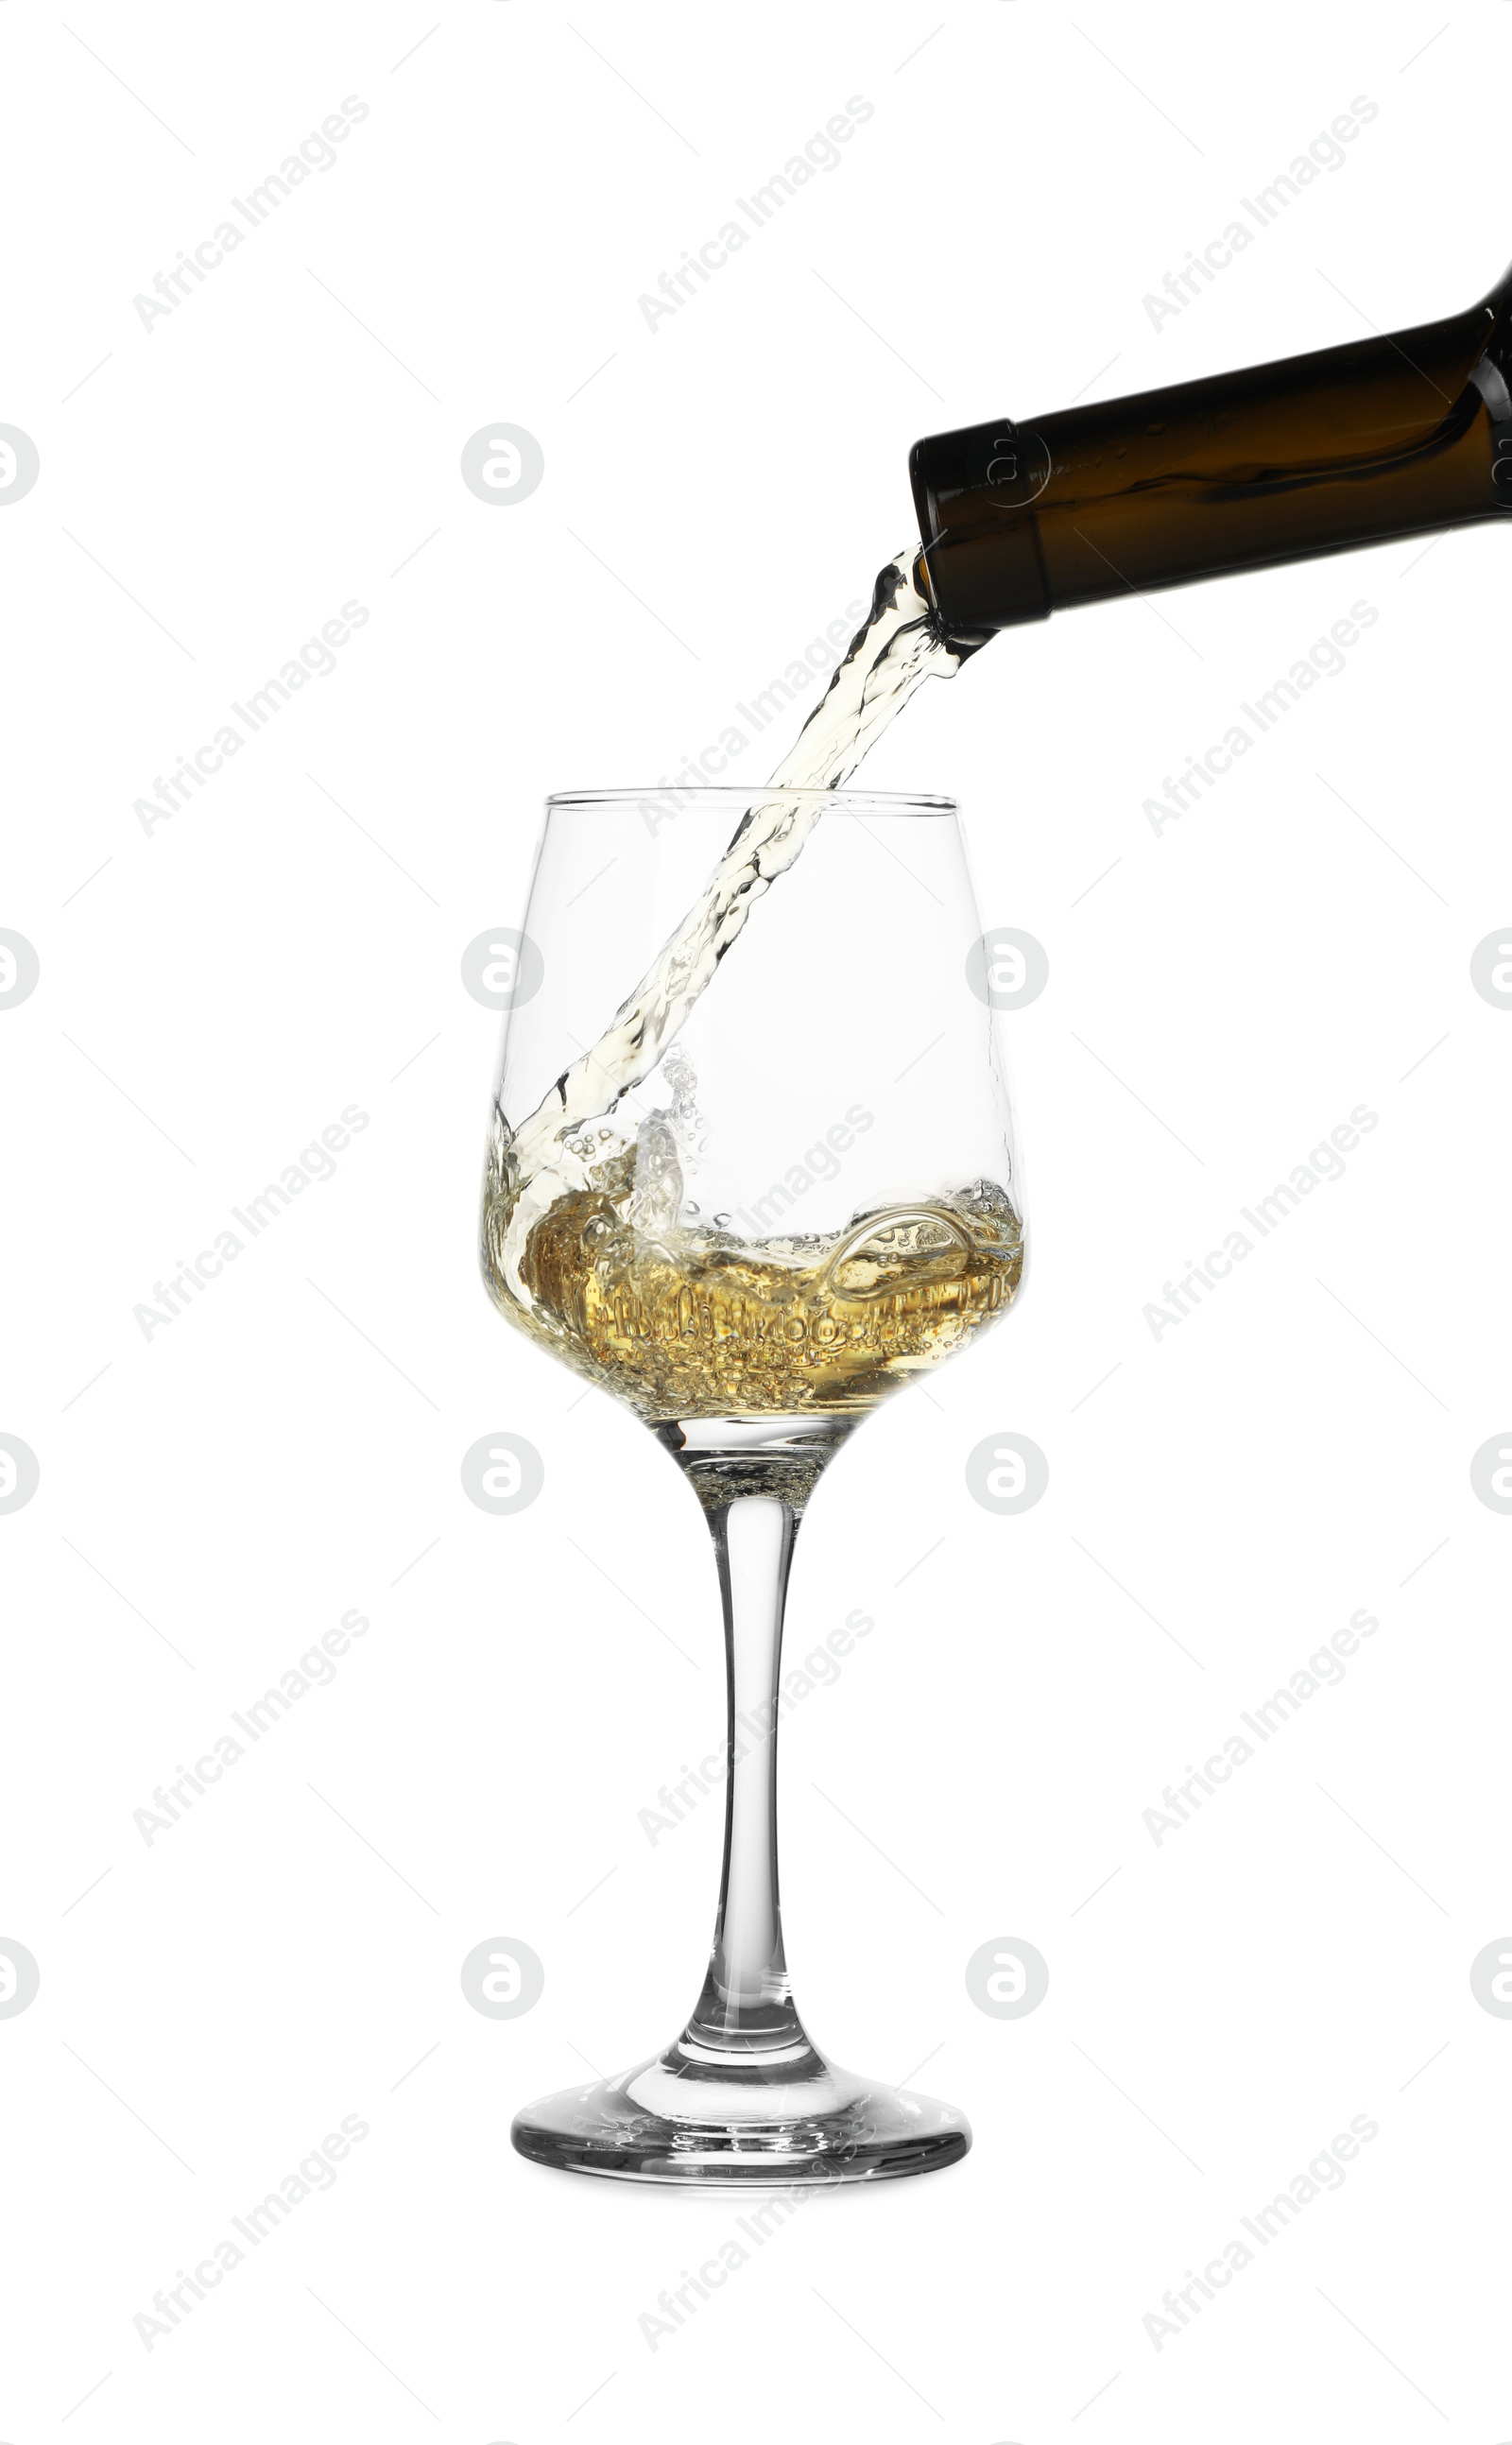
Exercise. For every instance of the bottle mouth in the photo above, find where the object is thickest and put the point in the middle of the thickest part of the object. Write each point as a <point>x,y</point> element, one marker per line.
<point>857,804</point>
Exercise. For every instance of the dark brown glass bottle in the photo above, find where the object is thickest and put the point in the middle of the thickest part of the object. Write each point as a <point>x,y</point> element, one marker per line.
<point>1384,438</point>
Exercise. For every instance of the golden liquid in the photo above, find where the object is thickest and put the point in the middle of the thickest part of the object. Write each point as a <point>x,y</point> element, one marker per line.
<point>692,1322</point>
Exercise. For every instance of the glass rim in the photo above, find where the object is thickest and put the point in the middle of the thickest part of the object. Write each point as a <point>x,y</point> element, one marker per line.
<point>730,794</point>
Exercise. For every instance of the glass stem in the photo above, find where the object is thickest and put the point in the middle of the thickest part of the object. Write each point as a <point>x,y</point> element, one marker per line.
<point>746,2005</point>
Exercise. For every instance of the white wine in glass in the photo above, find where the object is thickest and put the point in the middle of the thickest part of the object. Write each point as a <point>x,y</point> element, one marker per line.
<point>805,1195</point>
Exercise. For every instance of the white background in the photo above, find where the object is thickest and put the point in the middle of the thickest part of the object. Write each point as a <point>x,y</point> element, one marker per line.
<point>211,995</point>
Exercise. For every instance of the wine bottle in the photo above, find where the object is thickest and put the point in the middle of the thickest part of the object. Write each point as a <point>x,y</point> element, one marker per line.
<point>1401,435</point>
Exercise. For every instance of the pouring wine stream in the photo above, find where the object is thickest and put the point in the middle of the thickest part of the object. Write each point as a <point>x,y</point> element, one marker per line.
<point>899,647</point>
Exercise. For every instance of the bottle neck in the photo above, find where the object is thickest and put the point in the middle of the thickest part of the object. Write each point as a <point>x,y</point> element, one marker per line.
<point>1385,437</point>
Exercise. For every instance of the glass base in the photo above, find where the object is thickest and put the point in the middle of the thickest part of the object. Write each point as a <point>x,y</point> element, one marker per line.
<point>753,2128</point>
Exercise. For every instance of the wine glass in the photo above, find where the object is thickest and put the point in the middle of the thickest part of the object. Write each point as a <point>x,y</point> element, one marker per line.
<point>808,1197</point>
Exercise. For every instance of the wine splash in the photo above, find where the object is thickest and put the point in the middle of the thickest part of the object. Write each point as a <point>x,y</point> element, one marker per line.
<point>685,1322</point>
<point>552,1156</point>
